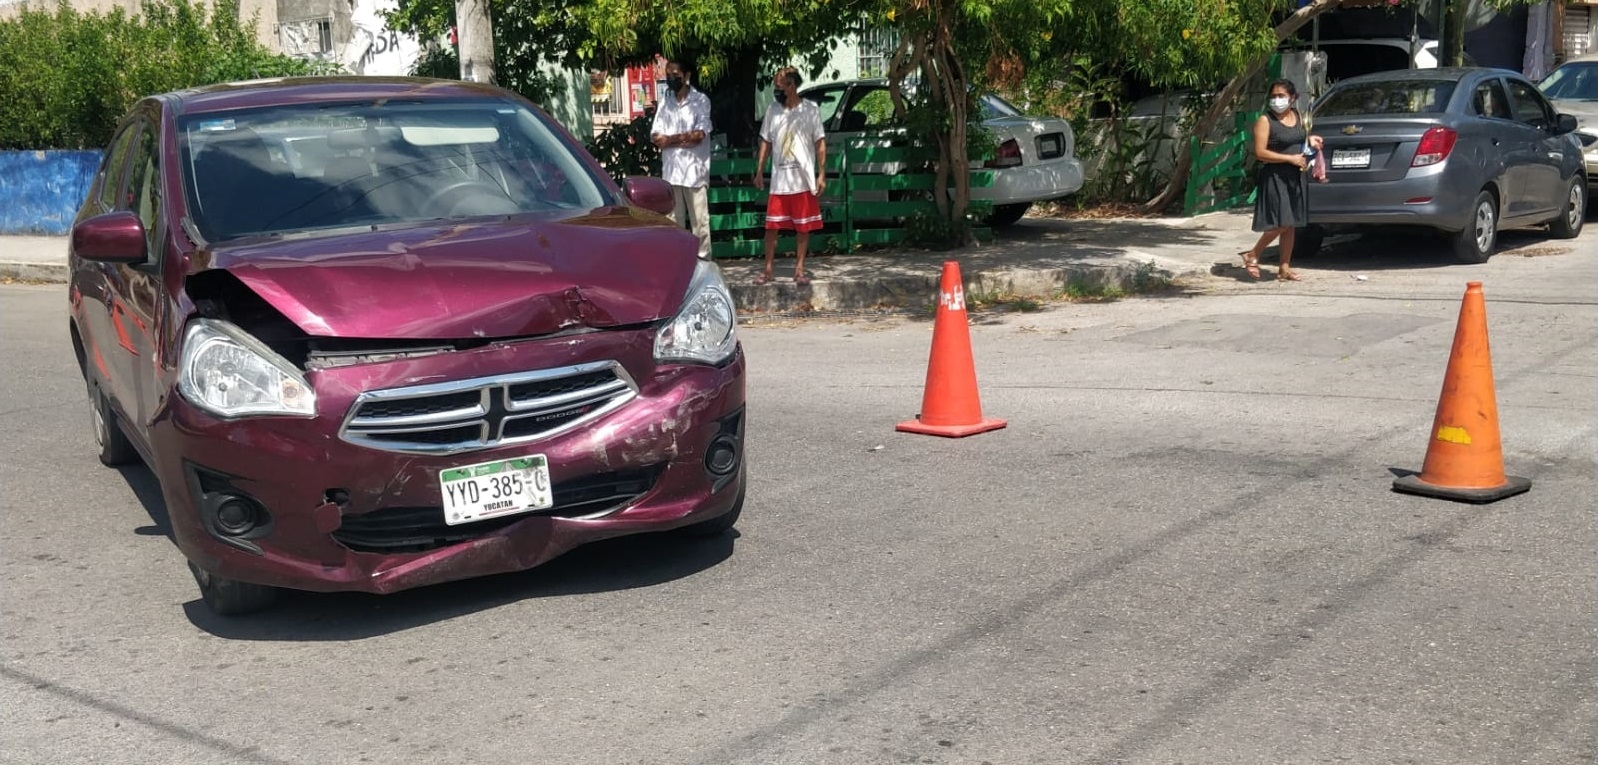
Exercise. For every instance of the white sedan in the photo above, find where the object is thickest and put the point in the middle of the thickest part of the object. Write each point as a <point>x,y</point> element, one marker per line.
<point>1036,158</point>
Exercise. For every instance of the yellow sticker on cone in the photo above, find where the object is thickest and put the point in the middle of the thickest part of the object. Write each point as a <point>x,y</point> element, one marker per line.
<point>1453,434</point>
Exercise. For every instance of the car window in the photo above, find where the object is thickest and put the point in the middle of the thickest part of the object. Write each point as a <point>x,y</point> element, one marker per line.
<point>1530,107</point>
<point>144,186</point>
<point>1574,82</point>
<point>993,107</point>
<point>869,108</point>
<point>304,168</point>
<point>114,169</point>
<point>1490,100</point>
<point>1387,97</point>
<point>826,100</point>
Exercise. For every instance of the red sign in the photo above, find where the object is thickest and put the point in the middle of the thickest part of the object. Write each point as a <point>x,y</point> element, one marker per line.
<point>640,89</point>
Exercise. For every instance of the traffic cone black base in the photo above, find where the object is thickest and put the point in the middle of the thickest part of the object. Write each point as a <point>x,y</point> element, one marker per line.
<point>1513,484</point>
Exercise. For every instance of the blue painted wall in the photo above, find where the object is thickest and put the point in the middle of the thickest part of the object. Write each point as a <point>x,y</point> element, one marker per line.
<point>41,191</point>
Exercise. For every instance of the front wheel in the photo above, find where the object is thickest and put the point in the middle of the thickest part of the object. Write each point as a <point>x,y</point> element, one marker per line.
<point>1475,243</point>
<point>226,597</point>
<point>1574,214</point>
<point>1307,241</point>
<point>115,448</point>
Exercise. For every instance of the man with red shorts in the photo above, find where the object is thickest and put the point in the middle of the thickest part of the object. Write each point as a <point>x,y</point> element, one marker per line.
<point>792,136</point>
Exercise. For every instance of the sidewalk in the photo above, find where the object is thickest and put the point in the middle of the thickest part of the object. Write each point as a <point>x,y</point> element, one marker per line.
<point>1039,257</point>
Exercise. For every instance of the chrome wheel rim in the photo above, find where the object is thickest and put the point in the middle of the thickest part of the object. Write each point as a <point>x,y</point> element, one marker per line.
<point>1484,227</point>
<point>1577,206</point>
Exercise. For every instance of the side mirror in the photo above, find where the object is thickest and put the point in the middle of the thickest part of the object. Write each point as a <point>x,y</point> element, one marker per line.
<point>1564,124</point>
<point>116,237</point>
<point>652,194</point>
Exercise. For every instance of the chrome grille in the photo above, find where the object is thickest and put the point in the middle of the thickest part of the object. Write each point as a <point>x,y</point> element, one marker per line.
<point>446,418</point>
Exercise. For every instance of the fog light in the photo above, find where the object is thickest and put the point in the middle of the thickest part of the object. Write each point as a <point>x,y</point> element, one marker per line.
<point>722,457</point>
<point>236,516</point>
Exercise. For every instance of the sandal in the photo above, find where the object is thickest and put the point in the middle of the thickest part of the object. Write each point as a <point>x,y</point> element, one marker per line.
<point>1251,264</point>
<point>801,279</point>
<point>763,279</point>
<point>1284,275</point>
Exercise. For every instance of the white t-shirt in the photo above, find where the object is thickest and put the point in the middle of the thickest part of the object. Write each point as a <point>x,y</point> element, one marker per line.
<point>793,134</point>
<point>684,165</point>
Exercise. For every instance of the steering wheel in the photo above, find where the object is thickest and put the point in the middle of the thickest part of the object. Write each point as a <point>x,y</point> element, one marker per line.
<point>469,198</point>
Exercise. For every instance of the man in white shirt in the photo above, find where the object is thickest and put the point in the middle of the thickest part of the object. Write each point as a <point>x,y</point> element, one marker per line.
<point>792,136</point>
<point>682,131</point>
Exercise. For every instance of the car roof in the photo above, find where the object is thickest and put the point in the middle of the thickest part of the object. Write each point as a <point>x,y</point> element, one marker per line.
<point>1449,74</point>
<point>300,90</point>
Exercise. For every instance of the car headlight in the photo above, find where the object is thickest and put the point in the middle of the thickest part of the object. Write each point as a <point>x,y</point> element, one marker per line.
<point>705,329</point>
<point>230,374</point>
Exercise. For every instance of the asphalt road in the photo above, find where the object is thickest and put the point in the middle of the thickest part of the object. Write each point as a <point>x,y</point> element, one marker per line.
<point>1183,549</point>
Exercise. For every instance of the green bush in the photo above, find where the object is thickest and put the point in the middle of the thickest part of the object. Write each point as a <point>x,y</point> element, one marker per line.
<point>625,149</point>
<point>67,78</point>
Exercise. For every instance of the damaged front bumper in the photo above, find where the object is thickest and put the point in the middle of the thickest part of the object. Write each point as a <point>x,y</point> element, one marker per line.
<point>341,508</point>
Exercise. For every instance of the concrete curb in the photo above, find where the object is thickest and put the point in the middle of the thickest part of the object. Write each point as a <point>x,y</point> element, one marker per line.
<point>55,273</point>
<point>886,292</point>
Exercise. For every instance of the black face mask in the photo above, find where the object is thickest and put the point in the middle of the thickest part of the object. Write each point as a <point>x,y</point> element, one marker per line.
<point>674,83</point>
<point>782,97</point>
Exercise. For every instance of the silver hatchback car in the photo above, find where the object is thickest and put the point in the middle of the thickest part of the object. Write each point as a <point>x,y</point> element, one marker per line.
<point>1462,151</point>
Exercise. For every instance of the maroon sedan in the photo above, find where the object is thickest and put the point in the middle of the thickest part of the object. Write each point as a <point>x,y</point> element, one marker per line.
<point>373,334</point>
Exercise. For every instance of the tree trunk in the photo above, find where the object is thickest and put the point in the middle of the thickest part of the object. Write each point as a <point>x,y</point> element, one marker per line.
<point>475,32</point>
<point>1454,34</point>
<point>732,99</point>
<point>1223,103</point>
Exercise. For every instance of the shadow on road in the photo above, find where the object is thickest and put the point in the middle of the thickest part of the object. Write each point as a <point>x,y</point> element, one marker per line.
<point>617,564</point>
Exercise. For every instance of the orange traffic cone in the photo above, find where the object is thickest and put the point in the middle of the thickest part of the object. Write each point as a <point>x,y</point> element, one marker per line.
<point>950,405</point>
<point>1464,460</point>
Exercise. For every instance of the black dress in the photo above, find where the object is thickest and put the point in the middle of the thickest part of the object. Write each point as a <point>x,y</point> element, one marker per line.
<point>1281,199</point>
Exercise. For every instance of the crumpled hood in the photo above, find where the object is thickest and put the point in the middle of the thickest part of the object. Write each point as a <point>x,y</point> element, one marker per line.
<point>606,268</point>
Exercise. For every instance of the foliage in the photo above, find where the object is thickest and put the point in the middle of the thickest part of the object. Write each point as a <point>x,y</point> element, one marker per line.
<point>625,149</point>
<point>67,78</point>
<point>534,84</point>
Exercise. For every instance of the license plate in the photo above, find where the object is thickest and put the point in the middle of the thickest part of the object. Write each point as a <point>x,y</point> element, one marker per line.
<point>1351,158</point>
<point>1051,146</point>
<point>493,489</point>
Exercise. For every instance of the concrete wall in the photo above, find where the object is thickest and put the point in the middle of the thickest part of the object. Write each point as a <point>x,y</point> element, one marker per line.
<point>41,191</point>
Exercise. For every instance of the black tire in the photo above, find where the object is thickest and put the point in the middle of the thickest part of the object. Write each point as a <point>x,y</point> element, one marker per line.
<point>226,597</point>
<point>1573,214</point>
<point>115,448</point>
<point>719,525</point>
<point>1004,216</point>
<point>1475,243</point>
<point>1307,242</point>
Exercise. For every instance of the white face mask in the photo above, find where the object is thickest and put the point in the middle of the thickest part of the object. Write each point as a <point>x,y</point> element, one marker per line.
<point>1279,104</point>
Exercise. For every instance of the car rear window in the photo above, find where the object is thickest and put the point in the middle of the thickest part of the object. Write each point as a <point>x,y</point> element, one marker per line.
<point>1387,97</point>
<point>299,168</point>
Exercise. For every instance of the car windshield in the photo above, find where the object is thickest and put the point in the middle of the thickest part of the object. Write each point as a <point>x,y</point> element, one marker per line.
<point>1387,97</point>
<point>1572,82</point>
<point>310,167</point>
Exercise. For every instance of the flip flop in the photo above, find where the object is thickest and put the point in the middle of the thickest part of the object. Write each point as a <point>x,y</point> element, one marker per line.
<point>763,279</point>
<point>801,280</point>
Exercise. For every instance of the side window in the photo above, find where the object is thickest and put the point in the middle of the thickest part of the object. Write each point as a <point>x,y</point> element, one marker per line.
<point>1530,107</point>
<point>872,108</point>
<point>1491,100</point>
<point>114,168</point>
<point>826,100</point>
<point>144,187</point>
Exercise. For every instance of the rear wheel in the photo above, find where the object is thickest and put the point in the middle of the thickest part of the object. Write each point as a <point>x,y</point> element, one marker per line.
<point>1008,215</point>
<point>115,448</point>
<point>1475,243</point>
<point>226,597</point>
<point>1574,214</point>
<point>1307,242</point>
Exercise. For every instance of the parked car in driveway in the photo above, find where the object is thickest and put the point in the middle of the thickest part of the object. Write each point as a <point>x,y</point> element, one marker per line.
<point>1465,152</point>
<point>377,333</point>
<point>1036,159</point>
<point>1573,90</point>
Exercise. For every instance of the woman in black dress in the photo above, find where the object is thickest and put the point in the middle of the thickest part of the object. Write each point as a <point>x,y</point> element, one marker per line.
<point>1280,205</point>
